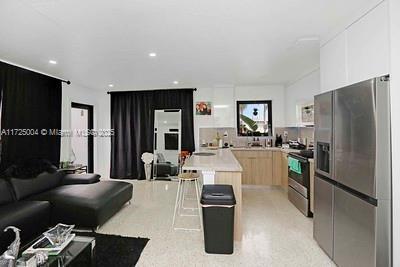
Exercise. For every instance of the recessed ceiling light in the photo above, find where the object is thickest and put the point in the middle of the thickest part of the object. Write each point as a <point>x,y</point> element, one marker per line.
<point>51,61</point>
<point>307,39</point>
<point>111,85</point>
<point>175,82</point>
<point>152,54</point>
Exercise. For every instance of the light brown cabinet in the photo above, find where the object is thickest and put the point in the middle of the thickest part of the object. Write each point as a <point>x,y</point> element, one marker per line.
<point>285,172</point>
<point>257,166</point>
<point>277,168</point>
<point>264,167</point>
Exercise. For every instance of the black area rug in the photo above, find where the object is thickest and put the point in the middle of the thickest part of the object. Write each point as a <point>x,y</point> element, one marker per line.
<point>117,251</point>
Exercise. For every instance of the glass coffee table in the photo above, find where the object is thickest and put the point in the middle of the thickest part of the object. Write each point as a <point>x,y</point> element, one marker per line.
<point>80,252</point>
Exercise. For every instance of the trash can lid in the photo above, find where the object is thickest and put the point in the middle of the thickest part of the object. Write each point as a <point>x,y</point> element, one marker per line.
<point>217,194</point>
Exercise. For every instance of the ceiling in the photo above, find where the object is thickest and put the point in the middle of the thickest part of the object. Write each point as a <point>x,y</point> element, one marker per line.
<point>198,43</point>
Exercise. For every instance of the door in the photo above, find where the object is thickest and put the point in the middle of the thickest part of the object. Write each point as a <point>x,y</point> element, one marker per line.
<point>323,133</point>
<point>276,168</point>
<point>355,136</point>
<point>262,170</point>
<point>354,230</point>
<point>82,139</point>
<point>323,214</point>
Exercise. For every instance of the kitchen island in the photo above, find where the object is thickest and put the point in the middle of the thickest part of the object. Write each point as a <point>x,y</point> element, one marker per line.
<point>220,168</point>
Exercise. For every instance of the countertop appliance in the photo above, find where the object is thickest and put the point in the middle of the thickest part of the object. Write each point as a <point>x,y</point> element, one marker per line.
<point>352,209</point>
<point>296,145</point>
<point>299,183</point>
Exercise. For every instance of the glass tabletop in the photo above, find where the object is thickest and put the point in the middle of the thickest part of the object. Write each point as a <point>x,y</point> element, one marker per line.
<point>80,252</point>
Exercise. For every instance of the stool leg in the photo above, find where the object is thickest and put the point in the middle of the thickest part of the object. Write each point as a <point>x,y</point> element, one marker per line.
<point>177,201</point>
<point>198,203</point>
<point>182,197</point>
<point>186,194</point>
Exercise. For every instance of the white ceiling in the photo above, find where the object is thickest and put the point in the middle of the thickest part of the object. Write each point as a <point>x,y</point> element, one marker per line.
<point>199,43</point>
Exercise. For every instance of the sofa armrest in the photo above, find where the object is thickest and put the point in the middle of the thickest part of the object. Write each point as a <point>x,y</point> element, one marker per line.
<point>85,178</point>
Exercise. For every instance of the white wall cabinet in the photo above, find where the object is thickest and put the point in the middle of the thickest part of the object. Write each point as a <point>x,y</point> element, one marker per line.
<point>333,63</point>
<point>368,46</point>
<point>224,107</point>
<point>359,53</point>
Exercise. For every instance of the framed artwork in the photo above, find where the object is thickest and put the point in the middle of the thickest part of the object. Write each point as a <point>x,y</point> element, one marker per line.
<point>203,108</point>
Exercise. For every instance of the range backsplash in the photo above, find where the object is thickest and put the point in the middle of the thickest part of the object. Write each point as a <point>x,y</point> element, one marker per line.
<point>207,135</point>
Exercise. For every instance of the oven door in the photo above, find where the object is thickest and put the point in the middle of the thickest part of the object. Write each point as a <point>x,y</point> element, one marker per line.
<point>302,178</point>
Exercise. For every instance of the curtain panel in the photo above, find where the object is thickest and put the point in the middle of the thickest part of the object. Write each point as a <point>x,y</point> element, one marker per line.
<point>132,118</point>
<point>30,101</point>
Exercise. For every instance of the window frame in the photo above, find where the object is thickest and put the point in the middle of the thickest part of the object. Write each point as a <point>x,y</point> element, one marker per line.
<point>240,102</point>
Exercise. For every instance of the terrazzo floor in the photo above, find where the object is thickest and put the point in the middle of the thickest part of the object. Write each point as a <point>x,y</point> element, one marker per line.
<point>275,233</point>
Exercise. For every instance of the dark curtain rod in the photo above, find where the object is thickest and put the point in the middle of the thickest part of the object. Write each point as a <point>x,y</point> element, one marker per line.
<point>36,71</point>
<point>109,92</point>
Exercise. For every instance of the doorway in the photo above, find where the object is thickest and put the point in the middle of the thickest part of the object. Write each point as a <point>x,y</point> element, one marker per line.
<point>81,142</point>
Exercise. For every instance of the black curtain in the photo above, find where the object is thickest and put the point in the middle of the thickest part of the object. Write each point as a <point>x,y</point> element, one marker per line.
<point>29,101</point>
<point>132,118</point>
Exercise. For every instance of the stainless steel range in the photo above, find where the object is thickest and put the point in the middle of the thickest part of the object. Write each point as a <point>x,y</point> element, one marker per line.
<point>299,182</point>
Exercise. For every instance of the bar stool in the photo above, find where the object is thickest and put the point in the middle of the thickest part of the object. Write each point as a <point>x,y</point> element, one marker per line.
<point>184,179</point>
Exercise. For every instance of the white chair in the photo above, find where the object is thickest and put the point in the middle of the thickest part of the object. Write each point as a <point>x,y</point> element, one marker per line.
<point>185,179</point>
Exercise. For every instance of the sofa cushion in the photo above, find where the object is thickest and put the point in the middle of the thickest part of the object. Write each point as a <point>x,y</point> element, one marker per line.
<point>24,188</point>
<point>83,178</point>
<point>6,194</point>
<point>87,205</point>
<point>31,217</point>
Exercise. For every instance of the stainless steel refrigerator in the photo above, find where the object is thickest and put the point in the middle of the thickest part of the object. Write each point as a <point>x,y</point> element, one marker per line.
<point>352,205</point>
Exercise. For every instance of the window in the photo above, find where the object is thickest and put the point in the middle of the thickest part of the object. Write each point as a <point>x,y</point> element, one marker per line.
<point>254,118</point>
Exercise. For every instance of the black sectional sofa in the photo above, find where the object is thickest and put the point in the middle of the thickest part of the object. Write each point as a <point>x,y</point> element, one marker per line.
<point>54,197</point>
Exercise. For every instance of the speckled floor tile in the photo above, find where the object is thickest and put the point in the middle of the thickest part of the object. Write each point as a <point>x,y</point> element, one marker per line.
<point>275,233</point>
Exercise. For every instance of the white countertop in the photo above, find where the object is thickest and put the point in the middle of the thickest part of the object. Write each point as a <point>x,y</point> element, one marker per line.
<point>223,161</point>
<point>285,150</point>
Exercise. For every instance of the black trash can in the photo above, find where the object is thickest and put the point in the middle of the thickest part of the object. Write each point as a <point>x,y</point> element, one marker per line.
<point>218,204</point>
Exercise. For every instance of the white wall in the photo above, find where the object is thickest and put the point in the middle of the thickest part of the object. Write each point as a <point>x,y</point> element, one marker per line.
<point>226,97</point>
<point>101,120</point>
<point>394,11</point>
<point>299,93</point>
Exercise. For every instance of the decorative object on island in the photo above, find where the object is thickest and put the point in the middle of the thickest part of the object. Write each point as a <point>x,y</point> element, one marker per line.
<point>203,108</point>
<point>8,258</point>
<point>147,159</point>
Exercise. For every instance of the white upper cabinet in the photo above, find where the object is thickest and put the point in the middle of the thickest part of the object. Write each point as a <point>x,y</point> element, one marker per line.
<point>368,45</point>
<point>333,63</point>
<point>223,107</point>
<point>359,53</point>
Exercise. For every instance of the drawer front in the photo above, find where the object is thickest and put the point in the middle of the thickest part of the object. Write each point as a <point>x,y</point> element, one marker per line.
<point>252,154</point>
